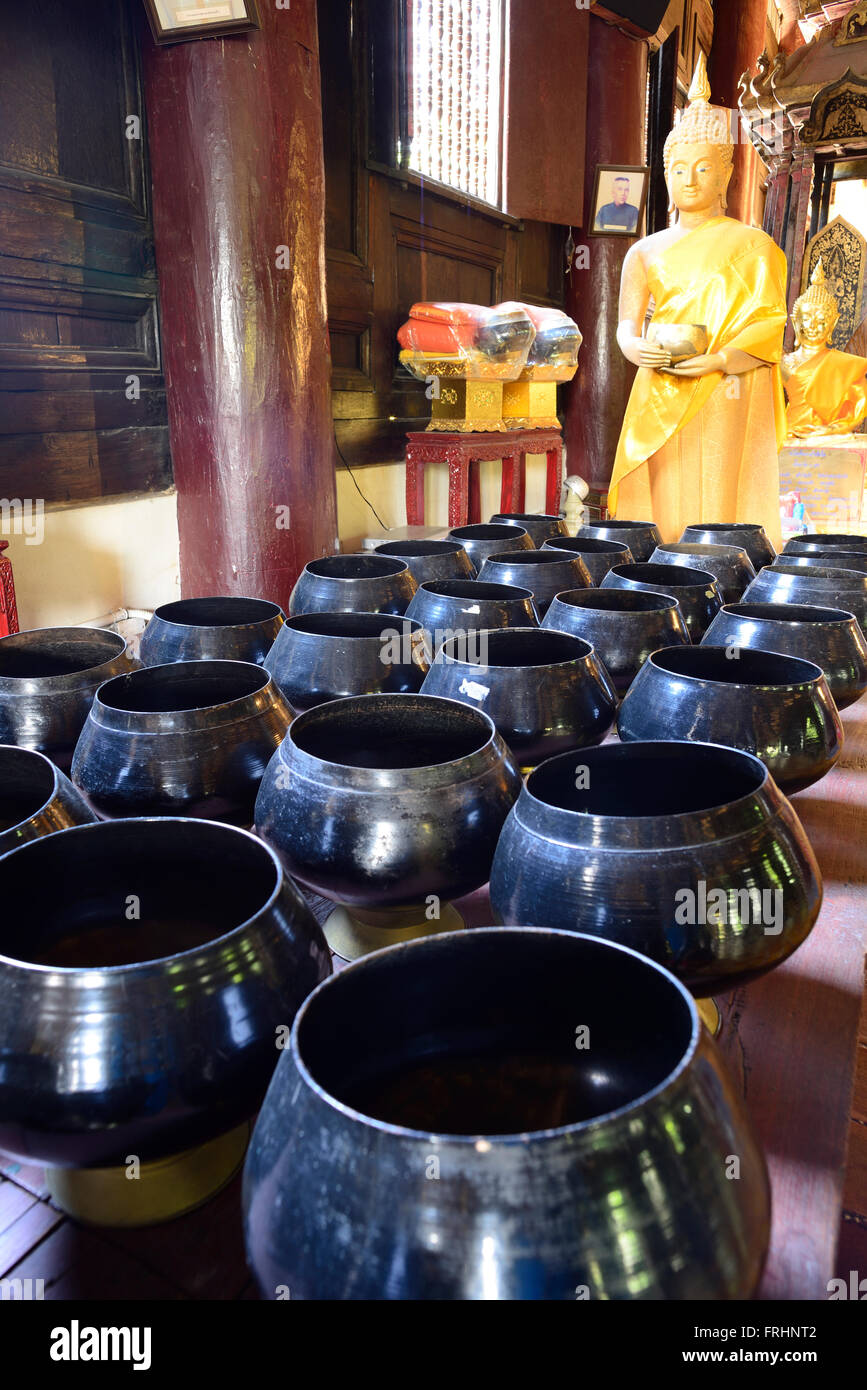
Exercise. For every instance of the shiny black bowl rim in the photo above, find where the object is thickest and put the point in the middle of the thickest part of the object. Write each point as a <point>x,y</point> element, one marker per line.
<point>590,650</point>
<point>816,672</point>
<point>114,970</point>
<point>56,773</point>
<point>161,613</point>
<point>331,706</point>
<point>523,1136</point>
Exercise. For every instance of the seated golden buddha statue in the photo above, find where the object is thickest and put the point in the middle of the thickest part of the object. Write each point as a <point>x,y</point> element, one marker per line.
<point>701,432</point>
<point>827,389</point>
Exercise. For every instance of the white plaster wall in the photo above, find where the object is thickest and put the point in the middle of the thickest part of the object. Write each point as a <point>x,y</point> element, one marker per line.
<point>384,486</point>
<point>95,559</point>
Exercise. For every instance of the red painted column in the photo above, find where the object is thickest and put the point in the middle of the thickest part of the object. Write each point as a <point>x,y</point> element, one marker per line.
<point>235,132</point>
<point>597,397</point>
<point>738,40</point>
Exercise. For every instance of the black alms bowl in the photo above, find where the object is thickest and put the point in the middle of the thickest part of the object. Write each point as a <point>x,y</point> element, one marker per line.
<point>191,739</point>
<point>545,691</point>
<point>597,556</point>
<point>544,572</point>
<point>687,852</point>
<point>211,629</point>
<point>830,558</point>
<point>481,540</point>
<point>429,560</point>
<point>48,677</point>
<point>828,636</point>
<point>698,594</point>
<point>750,535</point>
<point>353,584</point>
<point>144,1031</point>
<point>642,537</point>
<point>824,585</point>
<point>817,543</point>
<point>329,656</point>
<point>453,606</point>
<point>380,801</point>
<point>729,564</point>
<point>540,527</point>
<point>35,798</point>
<point>778,707</point>
<point>435,1130</point>
<point>622,625</point>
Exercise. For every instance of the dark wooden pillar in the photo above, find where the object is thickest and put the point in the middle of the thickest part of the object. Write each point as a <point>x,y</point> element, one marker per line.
<point>235,131</point>
<point>597,397</point>
<point>738,40</point>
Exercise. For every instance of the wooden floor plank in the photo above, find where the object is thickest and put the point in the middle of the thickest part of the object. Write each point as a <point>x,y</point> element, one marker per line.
<point>791,1037</point>
<point>24,1234</point>
<point>77,1263</point>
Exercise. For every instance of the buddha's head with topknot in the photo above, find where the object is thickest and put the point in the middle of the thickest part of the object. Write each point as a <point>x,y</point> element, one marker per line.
<point>699,152</point>
<point>815,312</point>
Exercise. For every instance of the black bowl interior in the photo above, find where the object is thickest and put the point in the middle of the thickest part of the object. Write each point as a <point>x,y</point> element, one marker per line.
<point>57,652</point>
<point>417,548</point>
<point>71,900</point>
<point>751,667</point>
<point>356,567</point>
<point>646,779</point>
<point>676,576</point>
<point>188,685</point>
<point>26,784</point>
<point>623,525</point>
<point>788,612</point>
<point>586,545</point>
<point>475,1033</point>
<point>518,646</point>
<point>518,518</point>
<point>391,731</point>
<point>352,625</point>
<point>475,589</point>
<point>528,557</point>
<point>218,612</point>
<point>617,600</point>
<point>484,531</point>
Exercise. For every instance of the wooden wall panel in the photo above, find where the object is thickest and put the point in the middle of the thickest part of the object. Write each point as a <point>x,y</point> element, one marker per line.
<point>546,110</point>
<point>78,291</point>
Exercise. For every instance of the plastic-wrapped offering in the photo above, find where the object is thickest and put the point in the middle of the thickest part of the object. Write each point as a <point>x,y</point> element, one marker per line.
<point>553,355</point>
<point>467,340</point>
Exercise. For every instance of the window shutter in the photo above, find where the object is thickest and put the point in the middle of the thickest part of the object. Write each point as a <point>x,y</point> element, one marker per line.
<point>546,110</point>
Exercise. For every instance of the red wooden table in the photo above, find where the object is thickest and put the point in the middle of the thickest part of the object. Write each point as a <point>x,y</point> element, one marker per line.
<point>462,453</point>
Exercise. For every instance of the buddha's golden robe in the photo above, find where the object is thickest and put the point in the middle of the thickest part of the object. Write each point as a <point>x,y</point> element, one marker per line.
<point>827,394</point>
<point>706,448</point>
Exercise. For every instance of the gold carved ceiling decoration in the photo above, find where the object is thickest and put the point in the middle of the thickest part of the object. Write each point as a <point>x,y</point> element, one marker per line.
<point>816,95</point>
<point>844,257</point>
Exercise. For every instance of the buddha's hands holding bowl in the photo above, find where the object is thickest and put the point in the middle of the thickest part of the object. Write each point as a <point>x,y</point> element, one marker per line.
<point>702,365</point>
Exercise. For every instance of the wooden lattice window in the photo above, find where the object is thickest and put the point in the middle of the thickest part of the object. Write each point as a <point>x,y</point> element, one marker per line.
<point>454,65</point>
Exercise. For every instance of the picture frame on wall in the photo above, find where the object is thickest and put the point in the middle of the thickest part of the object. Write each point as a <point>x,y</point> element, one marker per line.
<point>174,21</point>
<point>619,198</point>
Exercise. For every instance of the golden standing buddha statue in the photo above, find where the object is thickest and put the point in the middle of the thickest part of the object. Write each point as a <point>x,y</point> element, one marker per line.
<point>827,390</point>
<point>701,434</point>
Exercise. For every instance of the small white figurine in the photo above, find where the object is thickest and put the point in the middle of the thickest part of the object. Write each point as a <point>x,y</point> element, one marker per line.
<point>576,512</point>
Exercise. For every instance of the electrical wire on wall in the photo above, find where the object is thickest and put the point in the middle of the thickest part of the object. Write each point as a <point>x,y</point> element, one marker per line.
<point>357,488</point>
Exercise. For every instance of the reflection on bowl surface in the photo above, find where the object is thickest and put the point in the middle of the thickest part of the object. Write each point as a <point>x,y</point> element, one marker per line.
<point>470,1073</point>
<point>138,1007</point>
<point>778,707</point>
